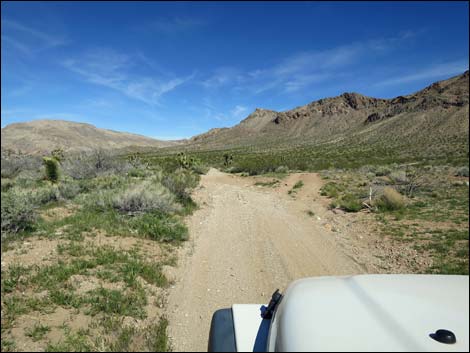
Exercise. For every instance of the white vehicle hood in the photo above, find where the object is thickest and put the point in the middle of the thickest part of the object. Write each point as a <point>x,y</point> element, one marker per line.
<point>364,313</point>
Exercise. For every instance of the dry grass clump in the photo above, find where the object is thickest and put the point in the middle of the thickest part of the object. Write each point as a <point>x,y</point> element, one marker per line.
<point>391,200</point>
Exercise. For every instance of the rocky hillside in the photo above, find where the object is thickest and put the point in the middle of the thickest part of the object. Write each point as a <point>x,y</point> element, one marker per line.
<point>41,136</point>
<point>437,112</point>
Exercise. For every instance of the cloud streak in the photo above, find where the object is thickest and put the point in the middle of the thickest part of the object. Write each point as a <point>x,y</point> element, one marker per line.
<point>443,70</point>
<point>111,69</point>
<point>304,69</point>
<point>28,39</point>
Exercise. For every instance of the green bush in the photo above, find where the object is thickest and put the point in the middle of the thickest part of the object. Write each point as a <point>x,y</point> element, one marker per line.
<point>17,212</point>
<point>51,168</point>
<point>390,200</point>
<point>350,203</point>
<point>331,189</point>
<point>181,182</point>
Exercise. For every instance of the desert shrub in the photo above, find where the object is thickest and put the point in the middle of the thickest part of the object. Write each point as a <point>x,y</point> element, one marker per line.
<point>51,169</point>
<point>181,182</point>
<point>79,167</point>
<point>282,169</point>
<point>390,200</point>
<point>199,168</point>
<point>17,212</point>
<point>69,190</point>
<point>350,203</point>
<point>382,171</point>
<point>161,227</point>
<point>298,184</point>
<point>45,194</point>
<point>462,171</point>
<point>331,189</point>
<point>145,197</point>
<point>91,164</point>
<point>399,177</point>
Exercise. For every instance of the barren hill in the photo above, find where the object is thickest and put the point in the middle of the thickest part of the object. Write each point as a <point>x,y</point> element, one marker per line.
<point>437,112</point>
<point>45,135</point>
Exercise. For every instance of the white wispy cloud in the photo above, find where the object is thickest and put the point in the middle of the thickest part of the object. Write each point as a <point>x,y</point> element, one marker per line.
<point>28,39</point>
<point>111,69</point>
<point>222,76</point>
<point>238,111</point>
<point>442,70</point>
<point>303,69</point>
<point>224,115</point>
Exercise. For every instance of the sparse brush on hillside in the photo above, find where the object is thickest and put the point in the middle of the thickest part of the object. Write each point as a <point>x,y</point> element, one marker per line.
<point>12,164</point>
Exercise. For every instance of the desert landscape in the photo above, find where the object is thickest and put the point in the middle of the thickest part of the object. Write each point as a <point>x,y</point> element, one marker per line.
<point>135,247</point>
<point>145,207</point>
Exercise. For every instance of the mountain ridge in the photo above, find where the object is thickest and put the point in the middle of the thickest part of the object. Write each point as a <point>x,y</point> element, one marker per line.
<point>44,135</point>
<point>437,111</point>
<point>349,113</point>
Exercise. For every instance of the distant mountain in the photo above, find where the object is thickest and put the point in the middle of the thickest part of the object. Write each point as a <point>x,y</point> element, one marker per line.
<point>42,136</point>
<point>437,112</point>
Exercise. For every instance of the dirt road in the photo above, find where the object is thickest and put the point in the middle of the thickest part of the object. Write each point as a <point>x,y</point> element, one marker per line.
<point>246,241</point>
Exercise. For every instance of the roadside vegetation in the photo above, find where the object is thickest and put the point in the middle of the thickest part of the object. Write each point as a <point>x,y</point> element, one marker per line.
<point>87,241</point>
<point>417,193</point>
<point>424,207</point>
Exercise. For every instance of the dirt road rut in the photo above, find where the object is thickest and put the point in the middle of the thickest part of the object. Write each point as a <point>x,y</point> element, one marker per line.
<point>245,242</point>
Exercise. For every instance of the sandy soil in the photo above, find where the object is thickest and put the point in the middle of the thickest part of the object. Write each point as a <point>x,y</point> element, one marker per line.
<point>246,241</point>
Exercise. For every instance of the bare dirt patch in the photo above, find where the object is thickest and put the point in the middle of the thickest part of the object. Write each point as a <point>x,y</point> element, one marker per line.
<point>30,252</point>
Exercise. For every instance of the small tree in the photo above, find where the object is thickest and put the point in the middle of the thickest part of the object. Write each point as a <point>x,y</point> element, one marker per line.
<point>52,168</point>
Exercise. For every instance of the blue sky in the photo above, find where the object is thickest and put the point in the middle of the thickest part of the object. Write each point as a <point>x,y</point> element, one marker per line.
<point>173,70</point>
